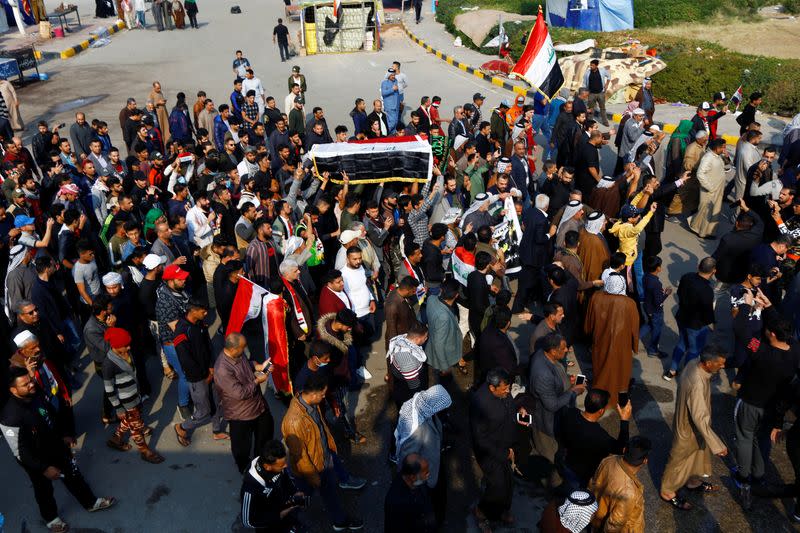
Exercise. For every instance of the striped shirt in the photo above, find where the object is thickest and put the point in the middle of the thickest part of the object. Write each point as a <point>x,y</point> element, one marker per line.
<point>257,261</point>
<point>406,359</point>
<point>119,382</point>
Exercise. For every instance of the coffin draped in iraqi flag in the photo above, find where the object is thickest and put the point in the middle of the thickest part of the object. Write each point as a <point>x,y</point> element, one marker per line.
<point>380,160</point>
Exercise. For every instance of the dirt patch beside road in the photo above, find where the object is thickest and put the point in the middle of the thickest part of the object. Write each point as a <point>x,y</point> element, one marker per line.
<point>777,35</point>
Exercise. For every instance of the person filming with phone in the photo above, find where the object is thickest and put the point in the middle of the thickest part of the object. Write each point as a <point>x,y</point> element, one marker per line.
<point>270,499</point>
<point>554,391</point>
<point>585,442</point>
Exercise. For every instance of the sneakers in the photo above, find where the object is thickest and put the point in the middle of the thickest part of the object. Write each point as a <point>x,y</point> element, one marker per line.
<point>354,483</point>
<point>351,524</point>
<point>669,375</point>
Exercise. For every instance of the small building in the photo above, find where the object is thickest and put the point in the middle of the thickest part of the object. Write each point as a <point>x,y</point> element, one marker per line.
<point>356,28</point>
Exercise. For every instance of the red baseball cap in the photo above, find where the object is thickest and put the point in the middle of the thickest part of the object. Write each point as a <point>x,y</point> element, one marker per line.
<point>174,272</point>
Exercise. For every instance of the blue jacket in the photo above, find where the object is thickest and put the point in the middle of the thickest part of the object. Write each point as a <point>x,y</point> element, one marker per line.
<point>179,125</point>
<point>220,129</point>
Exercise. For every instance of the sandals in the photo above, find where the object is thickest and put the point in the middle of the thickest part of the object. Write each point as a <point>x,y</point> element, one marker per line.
<point>463,368</point>
<point>151,457</point>
<point>170,373</point>
<point>704,487</point>
<point>57,525</point>
<point>118,445</point>
<point>221,436</point>
<point>679,503</point>
<point>101,504</point>
<point>180,433</point>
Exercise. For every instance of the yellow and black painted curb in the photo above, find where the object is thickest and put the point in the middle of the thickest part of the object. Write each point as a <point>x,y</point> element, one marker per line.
<point>499,82</point>
<point>80,47</point>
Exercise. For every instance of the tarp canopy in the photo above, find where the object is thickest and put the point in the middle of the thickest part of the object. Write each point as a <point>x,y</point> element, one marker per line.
<point>592,15</point>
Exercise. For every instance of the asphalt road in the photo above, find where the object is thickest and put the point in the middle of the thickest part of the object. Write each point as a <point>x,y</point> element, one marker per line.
<point>196,489</point>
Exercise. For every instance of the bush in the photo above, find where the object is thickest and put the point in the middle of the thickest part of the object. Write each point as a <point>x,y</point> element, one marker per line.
<point>791,6</point>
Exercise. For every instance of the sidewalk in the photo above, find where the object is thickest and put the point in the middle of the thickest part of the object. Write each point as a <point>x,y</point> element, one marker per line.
<point>73,42</point>
<point>434,35</point>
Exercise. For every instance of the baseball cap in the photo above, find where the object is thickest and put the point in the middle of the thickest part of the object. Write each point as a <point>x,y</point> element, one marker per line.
<point>295,69</point>
<point>23,220</point>
<point>156,155</point>
<point>629,211</point>
<point>479,96</point>
<point>151,261</point>
<point>505,103</point>
<point>348,235</point>
<point>17,193</point>
<point>174,272</point>
<point>705,106</point>
<point>299,100</point>
<point>638,111</point>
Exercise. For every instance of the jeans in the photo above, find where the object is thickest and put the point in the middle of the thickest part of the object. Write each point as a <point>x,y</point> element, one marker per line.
<point>140,19</point>
<point>329,479</point>
<point>690,342</point>
<point>183,385</point>
<point>540,122</point>
<point>638,277</point>
<point>283,48</point>
<point>654,325</point>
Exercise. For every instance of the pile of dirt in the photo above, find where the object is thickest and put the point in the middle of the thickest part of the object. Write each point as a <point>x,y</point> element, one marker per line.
<point>477,24</point>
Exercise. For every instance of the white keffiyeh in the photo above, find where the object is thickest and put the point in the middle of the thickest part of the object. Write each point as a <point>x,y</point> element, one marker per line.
<point>606,182</point>
<point>577,511</point>
<point>416,411</point>
<point>594,223</point>
<point>573,207</point>
<point>614,282</point>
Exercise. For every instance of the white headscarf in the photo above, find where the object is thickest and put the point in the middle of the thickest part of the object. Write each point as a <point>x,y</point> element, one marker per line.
<point>595,222</point>
<point>111,279</point>
<point>614,282</point>
<point>573,206</point>
<point>577,511</point>
<point>606,182</point>
<point>416,411</point>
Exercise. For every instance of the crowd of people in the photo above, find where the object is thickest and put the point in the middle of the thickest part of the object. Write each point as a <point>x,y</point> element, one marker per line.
<point>134,250</point>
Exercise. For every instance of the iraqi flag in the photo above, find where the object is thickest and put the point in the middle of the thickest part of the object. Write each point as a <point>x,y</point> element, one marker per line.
<point>246,304</point>
<point>273,319</point>
<point>538,64</point>
<point>337,8</point>
<point>408,159</point>
<point>736,99</point>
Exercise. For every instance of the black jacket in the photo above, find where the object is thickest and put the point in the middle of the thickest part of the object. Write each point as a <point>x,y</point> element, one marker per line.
<point>496,349</point>
<point>34,432</point>
<point>733,252</point>
<point>663,195</point>
<point>432,262</point>
<point>695,302</point>
<point>264,495</point>
<point>193,345</point>
<point>534,250</point>
<point>493,425</point>
<point>477,299</point>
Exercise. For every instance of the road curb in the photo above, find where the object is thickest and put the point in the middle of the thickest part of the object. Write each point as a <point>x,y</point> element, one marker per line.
<point>80,47</point>
<point>499,82</point>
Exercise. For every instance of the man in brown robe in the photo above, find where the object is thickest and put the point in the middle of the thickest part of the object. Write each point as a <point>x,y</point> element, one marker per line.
<point>608,196</point>
<point>592,247</point>
<point>612,321</point>
<point>161,109</point>
<point>693,440</point>
<point>690,192</point>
